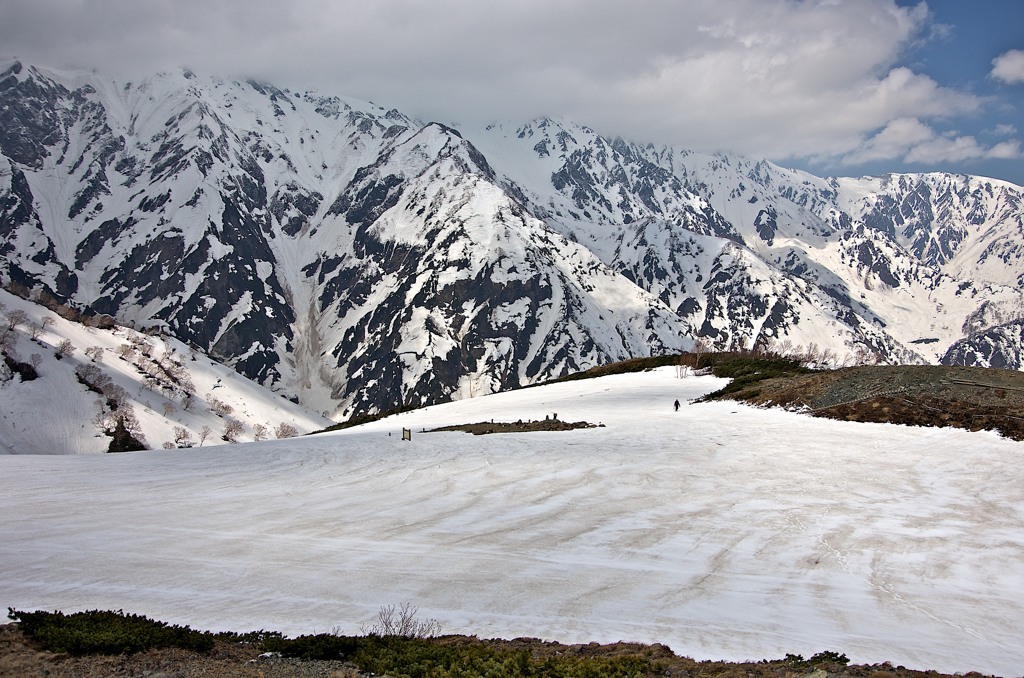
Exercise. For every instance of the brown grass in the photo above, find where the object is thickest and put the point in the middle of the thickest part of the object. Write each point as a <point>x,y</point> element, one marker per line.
<point>919,395</point>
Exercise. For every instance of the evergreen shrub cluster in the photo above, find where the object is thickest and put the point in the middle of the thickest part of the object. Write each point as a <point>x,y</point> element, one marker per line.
<point>746,371</point>
<point>403,657</point>
<point>115,633</point>
<point>105,632</point>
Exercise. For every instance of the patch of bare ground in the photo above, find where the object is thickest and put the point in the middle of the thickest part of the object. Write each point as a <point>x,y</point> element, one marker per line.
<point>487,427</point>
<point>971,398</point>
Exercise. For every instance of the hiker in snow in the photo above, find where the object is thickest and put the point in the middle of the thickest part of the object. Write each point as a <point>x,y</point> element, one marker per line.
<point>677,406</point>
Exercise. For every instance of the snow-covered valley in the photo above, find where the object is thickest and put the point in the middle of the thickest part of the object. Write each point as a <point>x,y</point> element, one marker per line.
<point>722,530</point>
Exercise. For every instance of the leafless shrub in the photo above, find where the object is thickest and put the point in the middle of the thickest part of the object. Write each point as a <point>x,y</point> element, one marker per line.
<point>93,377</point>
<point>812,355</point>
<point>8,340</point>
<point>168,408</point>
<point>64,349</point>
<point>15,318</point>
<point>41,326</point>
<point>102,322</point>
<point>401,621</point>
<point>700,347</point>
<point>232,429</point>
<point>116,395</point>
<point>182,437</point>
<point>204,433</point>
<point>142,345</point>
<point>285,430</point>
<point>219,407</point>
<point>102,419</point>
<point>260,432</point>
<point>94,353</point>
<point>126,415</point>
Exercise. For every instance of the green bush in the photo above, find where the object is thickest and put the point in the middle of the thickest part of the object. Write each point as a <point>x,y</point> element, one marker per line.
<point>828,659</point>
<point>745,371</point>
<point>621,367</point>
<point>436,658</point>
<point>104,632</point>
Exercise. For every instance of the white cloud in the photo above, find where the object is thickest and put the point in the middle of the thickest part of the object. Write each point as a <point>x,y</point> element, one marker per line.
<point>1009,67</point>
<point>912,141</point>
<point>894,141</point>
<point>1006,150</point>
<point>942,149</point>
<point>776,78</point>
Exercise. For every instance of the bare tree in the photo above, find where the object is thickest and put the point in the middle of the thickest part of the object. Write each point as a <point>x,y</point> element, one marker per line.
<point>103,419</point>
<point>168,408</point>
<point>126,413</point>
<point>260,432</point>
<point>15,318</point>
<point>64,349</point>
<point>285,430</point>
<point>94,353</point>
<point>182,437</point>
<point>219,407</point>
<point>700,347</point>
<point>143,345</point>
<point>41,326</point>
<point>681,368</point>
<point>204,433</point>
<point>812,355</point>
<point>232,429</point>
<point>7,339</point>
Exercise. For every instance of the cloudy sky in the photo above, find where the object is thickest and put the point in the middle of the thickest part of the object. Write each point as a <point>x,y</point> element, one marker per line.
<point>833,86</point>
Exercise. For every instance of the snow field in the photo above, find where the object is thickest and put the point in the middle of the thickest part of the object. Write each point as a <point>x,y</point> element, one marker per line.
<point>721,530</point>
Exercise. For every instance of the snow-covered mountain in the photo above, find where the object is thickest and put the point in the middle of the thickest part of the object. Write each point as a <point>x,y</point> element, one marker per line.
<point>357,259</point>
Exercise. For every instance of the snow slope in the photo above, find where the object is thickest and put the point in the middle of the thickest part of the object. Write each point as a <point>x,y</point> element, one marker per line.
<point>55,413</point>
<point>722,530</point>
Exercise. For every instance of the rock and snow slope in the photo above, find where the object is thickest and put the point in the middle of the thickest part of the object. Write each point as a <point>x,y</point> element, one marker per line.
<point>721,530</point>
<point>358,259</point>
<point>173,391</point>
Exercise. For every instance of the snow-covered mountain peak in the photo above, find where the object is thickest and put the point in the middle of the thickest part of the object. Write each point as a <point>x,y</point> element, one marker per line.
<point>355,258</point>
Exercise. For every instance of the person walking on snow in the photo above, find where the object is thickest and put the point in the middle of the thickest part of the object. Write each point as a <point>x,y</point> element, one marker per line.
<point>677,406</point>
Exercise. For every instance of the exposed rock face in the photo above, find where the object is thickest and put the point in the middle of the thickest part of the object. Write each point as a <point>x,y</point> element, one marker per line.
<point>356,259</point>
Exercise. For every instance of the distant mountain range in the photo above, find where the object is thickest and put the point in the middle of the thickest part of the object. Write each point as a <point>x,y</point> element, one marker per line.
<point>356,259</point>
